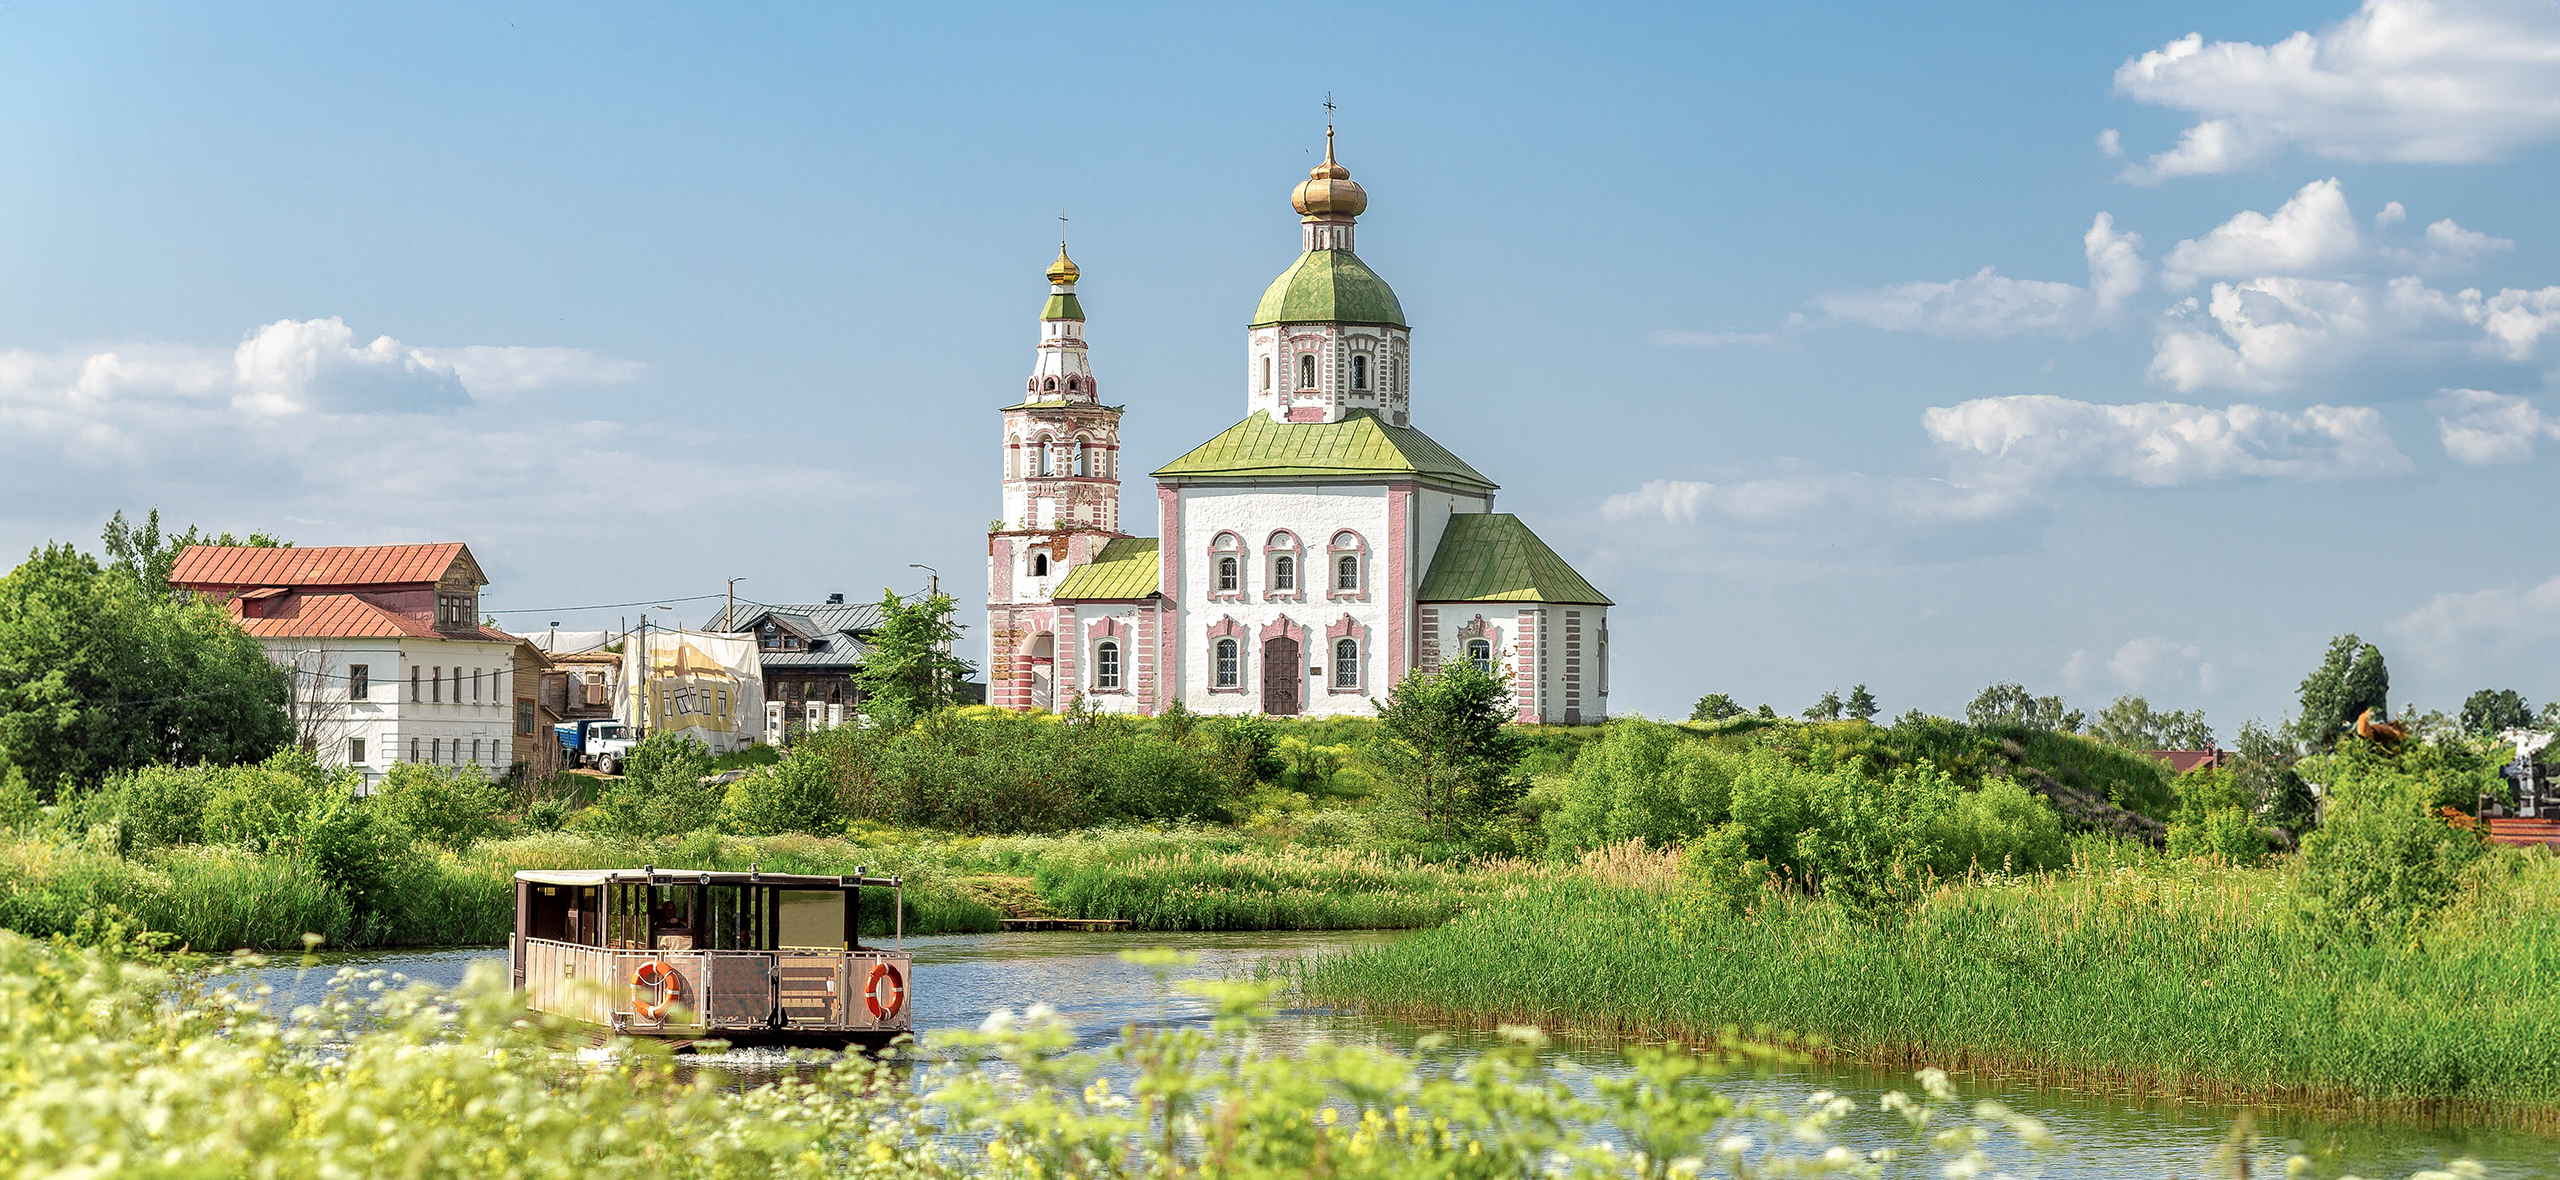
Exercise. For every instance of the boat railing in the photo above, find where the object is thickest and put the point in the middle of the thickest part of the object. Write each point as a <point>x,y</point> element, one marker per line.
<point>807,988</point>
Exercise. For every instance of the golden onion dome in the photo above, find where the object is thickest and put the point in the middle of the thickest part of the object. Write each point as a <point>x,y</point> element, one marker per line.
<point>1329,190</point>
<point>1063,271</point>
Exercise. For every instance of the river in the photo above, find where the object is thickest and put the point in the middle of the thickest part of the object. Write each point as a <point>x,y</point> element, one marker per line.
<point>961,978</point>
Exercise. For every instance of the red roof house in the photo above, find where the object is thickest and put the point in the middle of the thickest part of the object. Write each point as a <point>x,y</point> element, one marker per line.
<point>343,591</point>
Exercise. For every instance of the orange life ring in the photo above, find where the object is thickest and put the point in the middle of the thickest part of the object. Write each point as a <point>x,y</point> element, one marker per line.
<point>656,975</point>
<point>884,991</point>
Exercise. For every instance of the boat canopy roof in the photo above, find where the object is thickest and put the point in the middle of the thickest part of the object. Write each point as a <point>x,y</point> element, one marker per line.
<point>656,876</point>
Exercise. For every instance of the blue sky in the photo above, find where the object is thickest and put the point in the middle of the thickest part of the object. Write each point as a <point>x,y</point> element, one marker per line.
<point>636,299</point>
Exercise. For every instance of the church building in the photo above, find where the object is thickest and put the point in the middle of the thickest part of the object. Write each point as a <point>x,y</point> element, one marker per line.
<point>1307,558</point>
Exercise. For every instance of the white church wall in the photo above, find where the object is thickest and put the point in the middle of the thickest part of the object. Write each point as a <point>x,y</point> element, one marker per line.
<point>1313,515</point>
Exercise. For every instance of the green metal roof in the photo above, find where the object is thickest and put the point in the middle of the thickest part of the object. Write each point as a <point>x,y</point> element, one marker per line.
<point>1359,445</point>
<point>1062,306</point>
<point>1126,568</point>
<point>1329,286</point>
<point>1492,557</point>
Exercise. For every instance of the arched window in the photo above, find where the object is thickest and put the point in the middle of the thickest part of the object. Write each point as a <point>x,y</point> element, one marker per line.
<point>1346,663</point>
<point>1071,385</point>
<point>1480,653</point>
<point>1306,370</point>
<point>1039,464</point>
<point>1106,664</point>
<point>1226,563</point>
<point>1284,572</point>
<point>1051,385</point>
<point>1230,664</point>
<point>1228,580</point>
<point>1346,572</point>
<point>1359,372</point>
<point>1039,565</point>
<point>1084,465</point>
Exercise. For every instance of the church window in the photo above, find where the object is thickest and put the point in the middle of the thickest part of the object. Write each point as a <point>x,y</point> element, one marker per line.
<point>1106,664</point>
<point>1040,457</point>
<point>1227,575</point>
<point>1084,462</point>
<point>1050,385</point>
<point>1266,372</point>
<point>1039,565</point>
<point>1480,653</point>
<point>1230,673</point>
<point>1395,370</point>
<point>1346,572</point>
<point>1359,372</point>
<point>1346,663</point>
<point>1306,370</point>
<point>1071,385</point>
<point>1284,573</point>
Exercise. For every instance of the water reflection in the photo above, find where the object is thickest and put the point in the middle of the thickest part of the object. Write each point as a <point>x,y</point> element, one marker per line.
<point>961,978</point>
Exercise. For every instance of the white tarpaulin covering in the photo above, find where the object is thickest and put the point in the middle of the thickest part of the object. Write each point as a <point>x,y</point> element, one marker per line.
<point>708,686</point>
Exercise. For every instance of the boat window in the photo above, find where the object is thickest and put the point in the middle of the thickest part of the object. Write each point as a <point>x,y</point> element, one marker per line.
<point>735,918</point>
<point>672,920</point>
<point>812,918</point>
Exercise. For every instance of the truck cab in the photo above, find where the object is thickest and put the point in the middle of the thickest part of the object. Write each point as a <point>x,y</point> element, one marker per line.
<point>601,743</point>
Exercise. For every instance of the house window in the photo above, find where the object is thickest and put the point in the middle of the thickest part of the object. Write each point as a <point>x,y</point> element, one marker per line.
<point>359,684</point>
<point>438,677</point>
<point>475,686</point>
<point>1039,565</point>
<point>413,749</point>
<point>355,751</point>
<point>1227,571</point>
<point>1106,665</point>
<point>475,750</point>
<point>1306,370</point>
<point>1346,572</point>
<point>1346,663</point>
<point>1229,661</point>
<point>435,751</point>
<point>524,718</point>
<point>413,689</point>
<point>1480,653</point>
<point>1359,372</point>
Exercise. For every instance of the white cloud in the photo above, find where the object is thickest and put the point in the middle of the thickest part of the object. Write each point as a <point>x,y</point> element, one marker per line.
<point>2273,333</point>
<point>1765,501</point>
<point>2311,233</point>
<point>2453,624</point>
<point>2408,81</point>
<point>2447,246</point>
<point>2016,440</point>
<point>1988,303</point>
<point>494,372</point>
<point>2392,214</point>
<point>2483,428</point>
<point>2144,665</point>
<point>2110,143</point>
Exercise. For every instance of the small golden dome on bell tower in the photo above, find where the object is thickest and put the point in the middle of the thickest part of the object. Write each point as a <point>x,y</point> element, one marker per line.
<point>1063,271</point>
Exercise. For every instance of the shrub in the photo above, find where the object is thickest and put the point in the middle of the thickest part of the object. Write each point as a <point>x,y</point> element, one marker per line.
<point>1641,780</point>
<point>1723,876</point>
<point>662,792</point>
<point>448,805</point>
<point>156,806</point>
<point>2386,855</point>
<point>2217,819</point>
<point>262,807</point>
<point>803,793</point>
<point>2000,828</point>
<point>1140,778</point>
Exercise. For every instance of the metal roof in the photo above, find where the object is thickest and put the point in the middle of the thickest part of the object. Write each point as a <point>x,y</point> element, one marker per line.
<point>1127,568</point>
<point>349,616</point>
<point>854,617</point>
<point>1329,286</point>
<point>1492,557</point>
<point>221,566</point>
<point>1358,445</point>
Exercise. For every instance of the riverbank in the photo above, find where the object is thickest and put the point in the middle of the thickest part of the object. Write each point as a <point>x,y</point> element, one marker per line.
<point>1173,878</point>
<point>2167,977</point>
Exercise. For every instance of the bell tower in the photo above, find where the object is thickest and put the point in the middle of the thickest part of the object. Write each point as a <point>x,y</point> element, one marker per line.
<point>1060,473</point>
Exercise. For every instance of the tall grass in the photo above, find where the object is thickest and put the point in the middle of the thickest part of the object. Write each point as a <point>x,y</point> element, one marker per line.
<point>2173,978</point>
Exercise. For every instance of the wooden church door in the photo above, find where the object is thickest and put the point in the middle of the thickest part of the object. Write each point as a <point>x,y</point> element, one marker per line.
<point>1280,677</point>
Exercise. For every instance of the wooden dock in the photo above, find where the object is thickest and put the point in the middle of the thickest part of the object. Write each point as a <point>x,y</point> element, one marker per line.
<point>1012,924</point>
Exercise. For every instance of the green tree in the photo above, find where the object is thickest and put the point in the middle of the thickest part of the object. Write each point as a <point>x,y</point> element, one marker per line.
<point>909,670</point>
<point>2264,769</point>
<point>803,793</point>
<point>449,805</point>
<point>662,791</point>
<point>2009,703</point>
<point>2349,680</point>
<point>2490,711</point>
<point>1443,751</point>
<point>1715,706</point>
<point>99,675</point>
<point>146,555</point>
<point>1862,704</point>
<point>2386,857</point>
<point>1826,709</point>
<point>2131,723</point>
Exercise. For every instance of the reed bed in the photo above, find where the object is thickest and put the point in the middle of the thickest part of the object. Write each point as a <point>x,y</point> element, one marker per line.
<point>1288,889</point>
<point>2175,978</point>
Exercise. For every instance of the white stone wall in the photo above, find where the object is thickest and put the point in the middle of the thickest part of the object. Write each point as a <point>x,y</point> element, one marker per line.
<point>387,721</point>
<point>1432,508</point>
<point>1273,374</point>
<point>1313,515</point>
<point>1555,656</point>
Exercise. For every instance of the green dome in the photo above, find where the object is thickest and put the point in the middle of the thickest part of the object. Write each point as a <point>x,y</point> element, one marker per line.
<point>1329,286</point>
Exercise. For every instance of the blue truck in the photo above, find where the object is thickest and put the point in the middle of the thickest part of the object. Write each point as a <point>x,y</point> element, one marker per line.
<point>600,742</point>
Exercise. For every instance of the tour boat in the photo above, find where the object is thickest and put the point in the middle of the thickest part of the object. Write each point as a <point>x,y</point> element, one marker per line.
<point>750,958</point>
